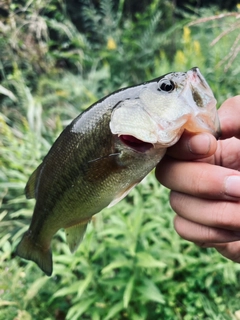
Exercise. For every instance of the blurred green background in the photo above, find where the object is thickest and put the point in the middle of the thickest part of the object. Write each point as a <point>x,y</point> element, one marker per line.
<point>57,58</point>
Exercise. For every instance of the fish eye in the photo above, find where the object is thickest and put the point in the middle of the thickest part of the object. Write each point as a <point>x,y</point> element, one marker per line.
<point>166,85</point>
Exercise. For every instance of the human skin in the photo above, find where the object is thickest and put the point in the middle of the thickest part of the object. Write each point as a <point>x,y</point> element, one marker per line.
<point>204,178</point>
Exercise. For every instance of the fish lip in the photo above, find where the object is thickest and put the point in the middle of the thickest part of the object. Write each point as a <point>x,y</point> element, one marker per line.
<point>202,98</point>
<point>204,123</point>
<point>135,144</point>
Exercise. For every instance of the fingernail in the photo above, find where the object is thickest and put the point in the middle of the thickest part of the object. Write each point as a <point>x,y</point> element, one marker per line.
<point>199,144</point>
<point>232,186</point>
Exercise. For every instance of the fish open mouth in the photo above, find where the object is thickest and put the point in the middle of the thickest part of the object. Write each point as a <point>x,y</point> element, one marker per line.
<point>135,144</point>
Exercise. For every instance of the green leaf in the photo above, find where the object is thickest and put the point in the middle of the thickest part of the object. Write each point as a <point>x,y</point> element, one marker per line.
<point>78,287</point>
<point>7,93</point>
<point>70,289</point>
<point>4,239</point>
<point>35,287</point>
<point>78,309</point>
<point>114,310</point>
<point>4,303</point>
<point>146,260</point>
<point>116,264</point>
<point>128,292</point>
<point>3,214</point>
<point>151,292</point>
<point>85,284</point>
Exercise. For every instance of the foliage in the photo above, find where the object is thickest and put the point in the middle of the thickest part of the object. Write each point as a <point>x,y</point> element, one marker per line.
<point>131,264</point>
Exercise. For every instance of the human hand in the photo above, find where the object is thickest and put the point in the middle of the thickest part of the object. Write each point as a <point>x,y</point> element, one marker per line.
<point>205,187</point>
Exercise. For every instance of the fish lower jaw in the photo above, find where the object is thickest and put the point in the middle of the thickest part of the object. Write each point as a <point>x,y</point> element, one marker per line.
<point>135,144</point>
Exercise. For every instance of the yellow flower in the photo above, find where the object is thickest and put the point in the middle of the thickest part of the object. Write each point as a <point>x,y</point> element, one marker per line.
<point>111,44</point>
<point>180,58</point>
<point>61,93</point>
<point>197,47</point>
<point>186,35</point>
<point>238,6</point>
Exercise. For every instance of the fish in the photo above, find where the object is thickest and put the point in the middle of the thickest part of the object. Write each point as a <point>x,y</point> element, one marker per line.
<point>106,151</point>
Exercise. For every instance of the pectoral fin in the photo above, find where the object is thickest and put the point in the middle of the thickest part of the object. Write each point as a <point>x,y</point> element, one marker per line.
<point>121,195</point>
<point>75,234</point>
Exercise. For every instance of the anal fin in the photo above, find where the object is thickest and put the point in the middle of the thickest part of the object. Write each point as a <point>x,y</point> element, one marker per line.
<point>75,234</point>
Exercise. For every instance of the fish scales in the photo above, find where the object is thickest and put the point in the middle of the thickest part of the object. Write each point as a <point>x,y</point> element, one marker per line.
<point>106,151</point>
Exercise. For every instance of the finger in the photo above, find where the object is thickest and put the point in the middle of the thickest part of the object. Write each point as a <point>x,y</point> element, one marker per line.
<point>228,153</point>
<point>193,146</point>
<point>230,250</point>
<point>229,114</point>
<point>210,213</point>
<point>199,179</point>
<point>203,235</point>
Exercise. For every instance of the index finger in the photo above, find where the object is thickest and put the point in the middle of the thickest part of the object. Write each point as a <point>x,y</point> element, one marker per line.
<point>229,115</point>
<point>199,179</point>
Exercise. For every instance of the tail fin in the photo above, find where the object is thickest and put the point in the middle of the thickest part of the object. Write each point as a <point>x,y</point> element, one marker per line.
<point>27,249</point>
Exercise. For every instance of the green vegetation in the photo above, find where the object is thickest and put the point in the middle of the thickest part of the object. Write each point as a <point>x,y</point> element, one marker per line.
<point>132,264</point>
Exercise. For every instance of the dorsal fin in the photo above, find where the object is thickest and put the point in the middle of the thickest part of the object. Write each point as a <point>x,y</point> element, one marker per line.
<point>75,234</point>
<point>30,188</point>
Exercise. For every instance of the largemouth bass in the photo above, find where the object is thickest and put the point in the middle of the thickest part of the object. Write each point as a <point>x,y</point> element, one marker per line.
<point>106,151</point>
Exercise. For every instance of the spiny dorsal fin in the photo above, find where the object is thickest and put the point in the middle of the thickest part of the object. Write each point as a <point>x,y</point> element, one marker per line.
<point>75,234</point>
<point>30,188</point>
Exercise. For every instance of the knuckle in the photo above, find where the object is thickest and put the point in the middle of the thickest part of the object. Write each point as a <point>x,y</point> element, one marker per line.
<point>223,216</point>
<point>179,227</point>
<point>208,235</point>
<point>230,251</point>
<point>177,201</point>
<point>199,185</point>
